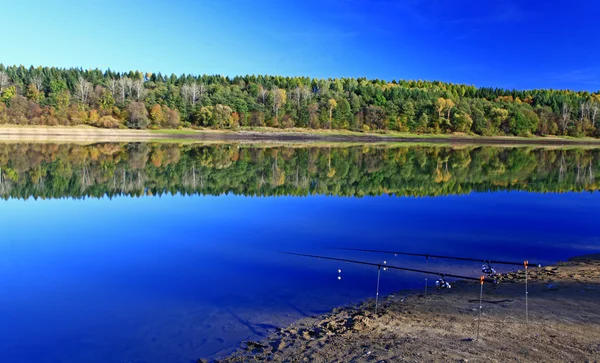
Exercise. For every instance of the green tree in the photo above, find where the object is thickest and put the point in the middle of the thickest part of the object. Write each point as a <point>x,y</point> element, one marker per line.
<point>422,123</point>
<point>204,116</point>
<point>462,122</point>
<point>342,115</point>
<point>8,94</point>
<point>331,105</point>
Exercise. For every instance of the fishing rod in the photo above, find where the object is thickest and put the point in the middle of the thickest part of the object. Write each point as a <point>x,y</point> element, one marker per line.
<point>426,255</point>
<point>379,265</point>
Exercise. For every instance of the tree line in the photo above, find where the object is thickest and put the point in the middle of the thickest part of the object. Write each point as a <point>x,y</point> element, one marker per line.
<point>136,169</point>
<point>54,96</point>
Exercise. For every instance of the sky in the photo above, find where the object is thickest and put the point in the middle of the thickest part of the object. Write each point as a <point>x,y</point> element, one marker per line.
<point>489,43</point>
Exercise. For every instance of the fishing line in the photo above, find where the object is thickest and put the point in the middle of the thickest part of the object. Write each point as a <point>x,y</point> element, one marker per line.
<point>458,258</point>
<point>442,275</point>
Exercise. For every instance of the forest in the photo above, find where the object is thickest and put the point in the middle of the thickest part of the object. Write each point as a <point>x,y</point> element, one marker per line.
<point>41,170</point>
<point>54,96</point>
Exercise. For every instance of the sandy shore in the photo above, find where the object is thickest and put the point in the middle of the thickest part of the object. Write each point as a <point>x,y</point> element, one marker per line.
<point>8,133</point>
<point>564,324</point>
<point>87,133</point>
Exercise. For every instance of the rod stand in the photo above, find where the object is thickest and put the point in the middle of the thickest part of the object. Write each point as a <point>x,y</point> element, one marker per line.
<point>426,281</point>
<point>526,263</point>
<point>377,292</point>
<point>480,306</point>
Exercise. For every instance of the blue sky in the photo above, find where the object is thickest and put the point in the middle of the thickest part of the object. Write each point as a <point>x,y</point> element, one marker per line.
<point>498,43</point>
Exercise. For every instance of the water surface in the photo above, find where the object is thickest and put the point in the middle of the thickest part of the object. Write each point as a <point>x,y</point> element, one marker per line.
<point>168,253</point>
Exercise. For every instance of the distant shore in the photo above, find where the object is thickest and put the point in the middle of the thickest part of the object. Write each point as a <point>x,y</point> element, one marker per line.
<point>86,133</point>
<point>564,324</point>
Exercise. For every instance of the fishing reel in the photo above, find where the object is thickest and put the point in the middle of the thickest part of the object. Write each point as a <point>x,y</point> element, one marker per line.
<point>441,283</point>
<point>487,269</point>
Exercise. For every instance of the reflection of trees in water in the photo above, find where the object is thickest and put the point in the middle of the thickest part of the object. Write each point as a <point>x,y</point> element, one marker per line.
<point>61,170</point>
<point>582,169</point>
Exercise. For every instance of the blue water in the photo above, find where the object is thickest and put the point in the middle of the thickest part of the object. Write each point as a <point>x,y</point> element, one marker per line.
<point>173,279</point>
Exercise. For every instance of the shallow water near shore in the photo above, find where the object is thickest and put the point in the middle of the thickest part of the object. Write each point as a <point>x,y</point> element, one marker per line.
<point>155,253</point>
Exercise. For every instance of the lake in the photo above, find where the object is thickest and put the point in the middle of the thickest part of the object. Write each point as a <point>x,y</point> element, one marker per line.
<point>137,252</point>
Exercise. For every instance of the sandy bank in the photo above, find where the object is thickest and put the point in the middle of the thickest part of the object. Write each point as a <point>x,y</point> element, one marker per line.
<point>8,133</point>
<point>564,324</point>
<point>86,133</point>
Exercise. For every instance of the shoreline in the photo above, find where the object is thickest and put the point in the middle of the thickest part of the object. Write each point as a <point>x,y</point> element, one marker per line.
<point>87,133</point>
<point>564,323</point>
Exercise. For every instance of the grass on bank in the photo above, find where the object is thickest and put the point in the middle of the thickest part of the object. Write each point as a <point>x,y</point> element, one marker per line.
<point>381,134</point>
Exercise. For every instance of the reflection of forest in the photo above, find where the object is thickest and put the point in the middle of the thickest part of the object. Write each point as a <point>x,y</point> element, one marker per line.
<point>68,170</point>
